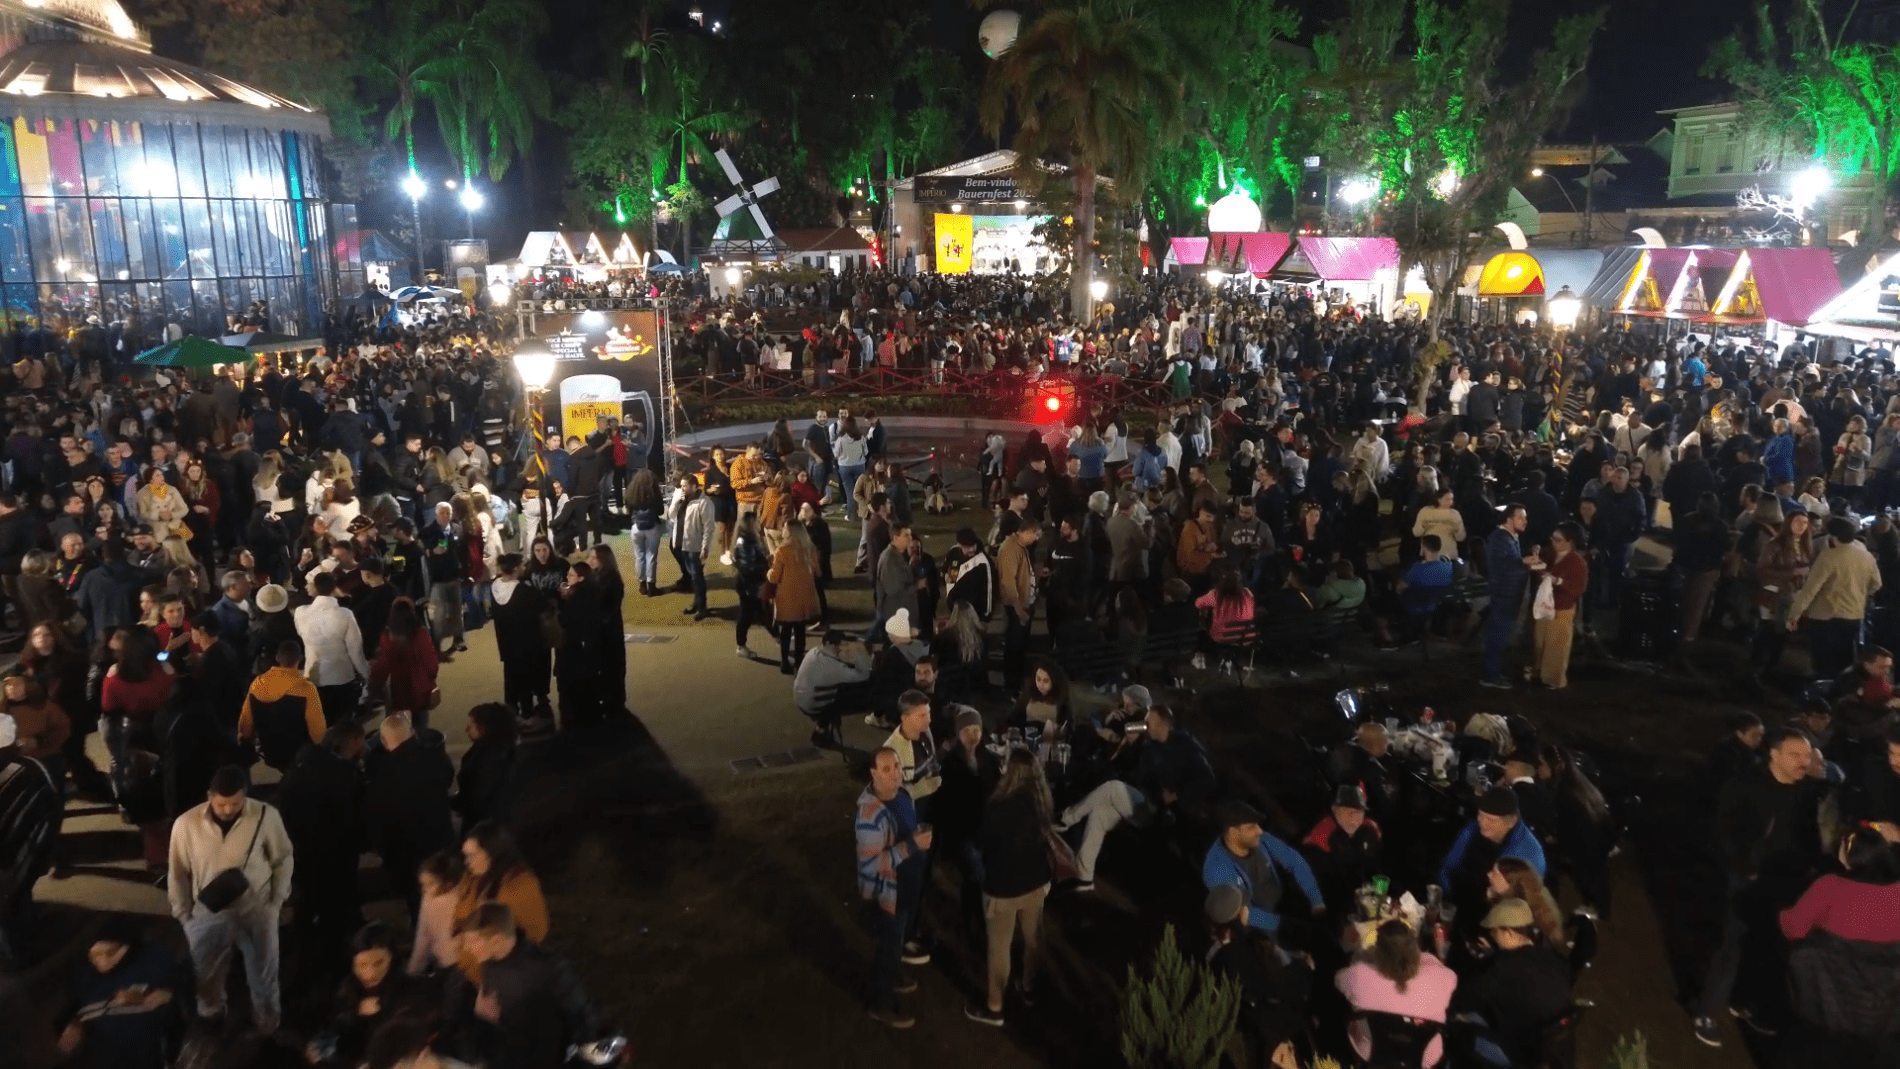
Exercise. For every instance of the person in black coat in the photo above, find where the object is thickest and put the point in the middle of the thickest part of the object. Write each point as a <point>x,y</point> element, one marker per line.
<point>321,799</point>
<point>521,639</point>
<point>409,782</point>
<point>124,1002</point>
<point>269,541</point>
<point>371,604</point>
<point>485,788</point>
<point>575,669</point>
<point>970,773</point>
<point>375,992</point>
<point>611,659</point>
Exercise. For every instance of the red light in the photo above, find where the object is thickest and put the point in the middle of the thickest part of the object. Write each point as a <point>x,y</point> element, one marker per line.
<point>1053,404</point>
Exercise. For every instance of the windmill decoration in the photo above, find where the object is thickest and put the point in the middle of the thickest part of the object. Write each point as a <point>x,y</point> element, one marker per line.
<point>735,235</point>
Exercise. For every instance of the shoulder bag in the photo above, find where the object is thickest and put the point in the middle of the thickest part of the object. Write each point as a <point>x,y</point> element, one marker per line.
<point>230,885</point>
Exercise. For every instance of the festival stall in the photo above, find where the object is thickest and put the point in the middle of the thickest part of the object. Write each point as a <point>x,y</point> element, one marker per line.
<point>1606,288</point>
<point>1363,270</point>
<point>1534,276</point>
<point>1778,288</point>
<point>1867,311</point>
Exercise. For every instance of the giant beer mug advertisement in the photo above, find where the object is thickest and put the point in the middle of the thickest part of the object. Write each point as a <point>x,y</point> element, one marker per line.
<point>594,352</point>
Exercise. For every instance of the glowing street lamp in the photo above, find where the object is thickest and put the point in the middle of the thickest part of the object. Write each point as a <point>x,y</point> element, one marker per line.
<point>734,276</point>
<point>1446,183</point>
<point>1357,191</point>
<point>498,294</point>
<point>1807,186</point>
<point>535,366</point>
<point>1563,309</point>
<point>1098,289</point>
<point>472,201</point>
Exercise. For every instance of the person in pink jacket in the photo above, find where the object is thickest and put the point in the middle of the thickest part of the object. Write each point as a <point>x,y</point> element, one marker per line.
<point>1396,977</point>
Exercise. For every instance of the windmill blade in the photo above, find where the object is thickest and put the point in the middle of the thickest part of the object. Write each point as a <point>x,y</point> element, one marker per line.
<point>770,185</point>
<point>729,205</point>
<point>765,228</point>
<point>725,161</point>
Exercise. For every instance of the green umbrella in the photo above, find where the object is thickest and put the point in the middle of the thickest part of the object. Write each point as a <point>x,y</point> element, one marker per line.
<point>192,352</point>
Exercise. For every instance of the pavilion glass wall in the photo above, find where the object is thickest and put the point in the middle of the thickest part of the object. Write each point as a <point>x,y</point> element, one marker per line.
<point>148,224</point>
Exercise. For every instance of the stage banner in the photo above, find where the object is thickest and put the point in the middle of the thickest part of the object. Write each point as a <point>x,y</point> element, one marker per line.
<point>592,348</point>
<point>586,399</point>
<point>955,238</point>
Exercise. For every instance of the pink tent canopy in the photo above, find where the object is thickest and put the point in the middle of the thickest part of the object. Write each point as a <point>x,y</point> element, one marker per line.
<point>1191,252</point>
<point>1350,259</point>
<point>1794,283</point>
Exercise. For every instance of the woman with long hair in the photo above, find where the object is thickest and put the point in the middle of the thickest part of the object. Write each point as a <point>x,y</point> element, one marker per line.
<point>1781,570</point>
<point>267,484</point>
<point>775,511</point>
<point>407,663</point>
<point>749,566</point>
<point>1395,976</point>
<point>545,570</point>
<point>108,525</point>
<point>201,501</point>
<point>1231,606</point>
<point>795,603</point>
<point>1513,877</point>
<point>1044,698</point>
<point>852,451</point>
<point>339,508</point>
<point>717,482</point>
<point>645,530</point>
<point>1586,828</point>
<point>1013,842</point>
<point>59,667</point>
<point>613,643</point>
<point>495,871</point>
<point>159,504</point>
<point>1570,579</point>
<point>959,644</point>
<point>130,696</point>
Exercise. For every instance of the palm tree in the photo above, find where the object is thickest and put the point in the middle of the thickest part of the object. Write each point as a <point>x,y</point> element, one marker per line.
<point>406,59</point>
<point>490,92</point>
<point>639,39</point>
<point>691,121</point>
<point>1091,80</point>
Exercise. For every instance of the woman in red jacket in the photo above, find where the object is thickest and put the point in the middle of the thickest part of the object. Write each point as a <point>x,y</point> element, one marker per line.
<point>1570,576</point>
<point>407,665</point>
<point>1864,904</point>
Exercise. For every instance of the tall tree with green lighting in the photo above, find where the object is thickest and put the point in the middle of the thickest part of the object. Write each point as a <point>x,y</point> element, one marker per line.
<point>1240,129</point>
<point>1092,84</point>
<point>1838,98</point>
<point>1427,100</point>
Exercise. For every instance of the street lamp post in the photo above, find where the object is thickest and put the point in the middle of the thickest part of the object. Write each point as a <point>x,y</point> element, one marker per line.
<point>472,201</point>
<point>535,366</point>
<point>415,187</point>
<point>1538,172</point>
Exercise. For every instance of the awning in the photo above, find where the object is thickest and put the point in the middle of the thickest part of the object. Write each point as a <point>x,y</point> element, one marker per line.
<point>1654,281</point>
<point>1794,283</point>
<point>1700,284</point>
<point>258,342</point>
<point>1189,252</point>
<point>1511,274</point>
<point>1868,310</point>
<point>1605,289</point>
<point>1349,259</point>
<point>1262,251</point>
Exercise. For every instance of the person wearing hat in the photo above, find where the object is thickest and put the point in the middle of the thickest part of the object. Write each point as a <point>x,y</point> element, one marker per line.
<point>970,773</point>
<point>1275,986</point>
<point>895,669</point>
<point>1346,846</point>
<point>1525,988</point>
<point>123,1004</point>
<point>1495,832</point>
<point>1247,857</point>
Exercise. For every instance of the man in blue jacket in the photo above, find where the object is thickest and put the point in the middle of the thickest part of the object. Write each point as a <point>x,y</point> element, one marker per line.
<point>1494,833</point>
<point>1778,458</point>
<point>1506,567</point>
<point>1257,863</point>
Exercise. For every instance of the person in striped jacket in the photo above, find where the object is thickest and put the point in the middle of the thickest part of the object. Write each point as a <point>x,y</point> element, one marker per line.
<point>892,847</point>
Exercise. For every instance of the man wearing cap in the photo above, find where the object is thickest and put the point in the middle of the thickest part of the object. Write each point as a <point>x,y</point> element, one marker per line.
<point>1494,833</point>
<point>1346,846</point>
<point>1247,857</point>
<point>1170,769</point>
<point>1522,992</point>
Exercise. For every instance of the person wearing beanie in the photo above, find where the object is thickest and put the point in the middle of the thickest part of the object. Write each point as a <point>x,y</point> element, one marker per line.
<point>1494,833</point>
<point>1259,864</point>
<point>1345,847</point>
<point>1275,986</point>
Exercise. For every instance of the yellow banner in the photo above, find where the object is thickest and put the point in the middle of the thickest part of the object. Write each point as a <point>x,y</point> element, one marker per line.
<point>955,236</point>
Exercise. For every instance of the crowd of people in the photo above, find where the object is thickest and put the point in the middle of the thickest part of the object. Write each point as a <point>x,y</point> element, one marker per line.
<point>248,583</point>
<point>271,567</point>
<point>1555,491</point>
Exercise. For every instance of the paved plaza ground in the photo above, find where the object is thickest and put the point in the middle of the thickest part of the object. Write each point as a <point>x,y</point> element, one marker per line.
<point>713,912</point>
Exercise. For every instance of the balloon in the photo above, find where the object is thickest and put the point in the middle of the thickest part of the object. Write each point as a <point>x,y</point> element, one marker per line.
<point>998,32</point>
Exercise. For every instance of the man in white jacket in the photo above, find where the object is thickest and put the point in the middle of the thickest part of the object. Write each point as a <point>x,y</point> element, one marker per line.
<point>232,831</point>
<point>332,650</point>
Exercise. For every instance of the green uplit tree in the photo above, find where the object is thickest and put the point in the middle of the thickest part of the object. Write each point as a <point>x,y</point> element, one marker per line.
<point>1179,1017</point>
<point>1429,101</point>
<point>1838,98</point>
<point>1239,131</point>
<point>1092,84</point>
<point>404,62</point>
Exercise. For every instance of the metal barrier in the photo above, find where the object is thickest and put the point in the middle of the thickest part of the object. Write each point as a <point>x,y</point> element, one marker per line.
<point>999,387</point>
